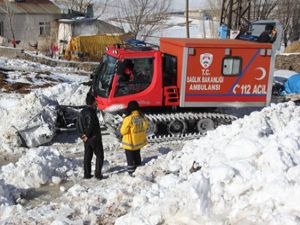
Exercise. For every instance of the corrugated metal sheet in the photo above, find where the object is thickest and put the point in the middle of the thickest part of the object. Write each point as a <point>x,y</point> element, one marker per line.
<point>31,7</point>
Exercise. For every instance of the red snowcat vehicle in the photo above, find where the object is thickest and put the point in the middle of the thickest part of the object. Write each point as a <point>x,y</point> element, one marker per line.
<point>177,83</point>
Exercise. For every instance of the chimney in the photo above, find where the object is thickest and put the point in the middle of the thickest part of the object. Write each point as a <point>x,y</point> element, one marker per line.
<point>90,11</point>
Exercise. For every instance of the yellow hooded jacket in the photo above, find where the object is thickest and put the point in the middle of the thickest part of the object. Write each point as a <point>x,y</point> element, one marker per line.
<point>133,130</point>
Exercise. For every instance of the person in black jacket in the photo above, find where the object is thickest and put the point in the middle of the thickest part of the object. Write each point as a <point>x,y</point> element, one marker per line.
<point>88,129</point>
<point>269,35</point>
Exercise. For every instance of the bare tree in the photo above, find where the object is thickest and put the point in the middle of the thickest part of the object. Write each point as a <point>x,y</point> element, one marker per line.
<point>142,17</point>
<point>262,9</point>
<point>101,8</point>
<point>288,14</point>
<point>294,34</point>
<point>10,16</point>
<point>82,6</point>
<point>215,7</point>
<point>76,5</point>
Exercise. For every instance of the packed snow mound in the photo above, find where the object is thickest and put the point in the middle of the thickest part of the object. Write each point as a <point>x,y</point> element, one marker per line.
<point>64,94</point>
<point>37,167</point>
<point>22,110</point>
<point>248,173</point>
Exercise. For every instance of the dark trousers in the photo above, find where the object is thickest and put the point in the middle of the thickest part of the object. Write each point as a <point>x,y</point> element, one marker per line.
<point>133,160</point>
<point>93,145</point>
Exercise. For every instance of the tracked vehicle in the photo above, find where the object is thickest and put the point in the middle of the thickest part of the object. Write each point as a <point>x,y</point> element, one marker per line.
<point>179,83</point>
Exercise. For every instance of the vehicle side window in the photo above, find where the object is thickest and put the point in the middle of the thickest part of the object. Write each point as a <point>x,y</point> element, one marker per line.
<point>231,66</point>
<point>136,77</point>
<point>169,70</point>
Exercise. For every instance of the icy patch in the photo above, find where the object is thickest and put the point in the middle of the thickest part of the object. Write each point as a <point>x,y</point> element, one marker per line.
<point>37,167</point>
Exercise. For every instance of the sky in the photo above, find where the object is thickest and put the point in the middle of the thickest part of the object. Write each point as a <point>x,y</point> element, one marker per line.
<point>176,5</point>
<point>193,4</point>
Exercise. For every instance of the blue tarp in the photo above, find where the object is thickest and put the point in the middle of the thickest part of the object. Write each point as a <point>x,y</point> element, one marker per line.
<point>223,31</point>
<point>292,85</point>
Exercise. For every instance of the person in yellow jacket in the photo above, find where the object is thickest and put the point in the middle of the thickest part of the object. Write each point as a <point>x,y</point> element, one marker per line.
<point>133,131</point>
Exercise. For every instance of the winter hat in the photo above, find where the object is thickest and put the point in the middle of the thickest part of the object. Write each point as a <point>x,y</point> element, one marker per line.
<point>90,99</point>
<point>133,105</point>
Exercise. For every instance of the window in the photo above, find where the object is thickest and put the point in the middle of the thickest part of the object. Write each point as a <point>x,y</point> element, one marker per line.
<point>232,66</point>
<point>1,28</point>
<point>137,76</point>
<point>104,75</point>
<point>44,28</point>
<point>169,70</point>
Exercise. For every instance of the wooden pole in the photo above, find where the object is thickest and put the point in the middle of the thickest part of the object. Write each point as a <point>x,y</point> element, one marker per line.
<point>187,18</point>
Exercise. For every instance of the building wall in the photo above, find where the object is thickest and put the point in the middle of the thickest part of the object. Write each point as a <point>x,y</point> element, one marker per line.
<point>27,30</point>
<point>289,61</point>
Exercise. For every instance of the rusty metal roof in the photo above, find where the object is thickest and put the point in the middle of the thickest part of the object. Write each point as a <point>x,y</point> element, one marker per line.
<point>31,7</point>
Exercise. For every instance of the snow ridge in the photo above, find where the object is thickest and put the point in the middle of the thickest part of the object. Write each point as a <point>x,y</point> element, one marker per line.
<point>37,167</point>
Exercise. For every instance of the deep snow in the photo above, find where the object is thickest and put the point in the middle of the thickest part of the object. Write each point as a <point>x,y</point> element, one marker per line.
<point>249,175</point>
<point>246,173</point>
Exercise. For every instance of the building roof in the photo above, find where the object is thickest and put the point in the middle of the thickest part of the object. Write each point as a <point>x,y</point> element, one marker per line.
<point>102,26</point>
<point>31,7</point>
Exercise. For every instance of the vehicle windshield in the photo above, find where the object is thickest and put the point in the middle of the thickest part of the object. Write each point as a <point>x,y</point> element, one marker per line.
<point>257,29</point>
<point>104,75</point>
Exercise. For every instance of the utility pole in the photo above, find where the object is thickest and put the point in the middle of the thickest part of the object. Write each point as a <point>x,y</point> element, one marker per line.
<point>187,18</point>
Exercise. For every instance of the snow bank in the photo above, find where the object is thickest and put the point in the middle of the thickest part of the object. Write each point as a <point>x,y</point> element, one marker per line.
<point>244,173</point>
<point>249,175</point>
<point>64,94</point>
<point>37,167</point>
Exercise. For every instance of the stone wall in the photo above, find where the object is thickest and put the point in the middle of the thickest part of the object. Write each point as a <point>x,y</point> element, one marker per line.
<point>19,53</point>
<point>289,61</point>
<point>86,66</point>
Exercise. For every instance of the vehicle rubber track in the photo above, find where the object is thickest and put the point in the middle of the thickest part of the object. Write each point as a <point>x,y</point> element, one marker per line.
<point>171,138</point>
<point>166,127</point>
<point>190,122</point>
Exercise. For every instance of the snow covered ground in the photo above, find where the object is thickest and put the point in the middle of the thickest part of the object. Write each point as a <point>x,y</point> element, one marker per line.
<point>244,173</point>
